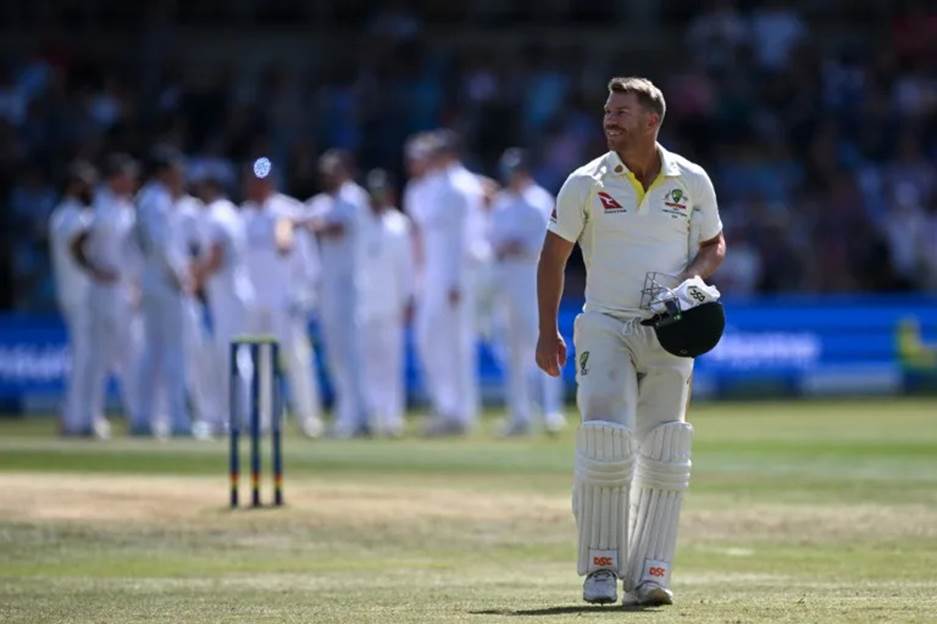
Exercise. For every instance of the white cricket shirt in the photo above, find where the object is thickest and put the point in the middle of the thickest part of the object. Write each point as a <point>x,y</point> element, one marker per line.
<point>626,232</point>
<point>67,222</point>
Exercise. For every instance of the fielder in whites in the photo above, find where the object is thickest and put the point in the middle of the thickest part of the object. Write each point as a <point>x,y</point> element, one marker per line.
<point>647,223</point>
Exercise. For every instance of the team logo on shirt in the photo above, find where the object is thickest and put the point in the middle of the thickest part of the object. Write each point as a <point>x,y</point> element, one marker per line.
<point>676,203</point>
<point>609,203</point>
<point>584,363</point>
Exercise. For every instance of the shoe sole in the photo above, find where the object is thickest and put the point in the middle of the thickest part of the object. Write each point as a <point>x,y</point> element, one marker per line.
<point>656,598</point>
<point>601,600</point>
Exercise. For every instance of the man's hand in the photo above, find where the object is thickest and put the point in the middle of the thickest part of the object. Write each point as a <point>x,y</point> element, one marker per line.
<point>551,353</point>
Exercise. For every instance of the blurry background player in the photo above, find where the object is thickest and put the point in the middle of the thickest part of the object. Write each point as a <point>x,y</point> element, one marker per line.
<point>386,294</point>
<point>440,213</point>
<point>464,186</point>
<point>517,226</point>
<point>336,216</point>
<point>634,210</point>
<point>222,275</point>
<point>189,226</point>
<point>283,264</point>
<point>166,284</point>
<point>68,221</point>
<point>110,256</point>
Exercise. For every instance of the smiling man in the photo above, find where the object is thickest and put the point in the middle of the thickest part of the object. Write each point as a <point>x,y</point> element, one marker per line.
<point>636,210</point>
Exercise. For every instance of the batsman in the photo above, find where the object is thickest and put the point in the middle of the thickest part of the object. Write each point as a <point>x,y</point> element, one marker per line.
<point>649,230</point>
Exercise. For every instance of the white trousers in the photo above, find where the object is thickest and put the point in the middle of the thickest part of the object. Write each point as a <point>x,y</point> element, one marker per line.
<point>383,359</point>
<point>446,344</point>
<point>115,344</point>
<point>343,355</point>
<point>77,324</point>
<point>625,376</point>
<point>162,379</point>
<point>204,384</point>
<point>295,353</point>
<point>517,304</point>
<point>229,319</point>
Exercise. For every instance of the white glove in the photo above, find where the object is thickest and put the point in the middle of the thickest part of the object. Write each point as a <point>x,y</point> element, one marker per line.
<point>689,294</point>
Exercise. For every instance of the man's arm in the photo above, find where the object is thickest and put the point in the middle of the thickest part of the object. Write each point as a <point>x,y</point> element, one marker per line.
<point>79,253</point>
<point>710,255</point>
<point>551,348</point>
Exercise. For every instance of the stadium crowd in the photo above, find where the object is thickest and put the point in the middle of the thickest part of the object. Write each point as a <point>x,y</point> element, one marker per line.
<point>823,152</point>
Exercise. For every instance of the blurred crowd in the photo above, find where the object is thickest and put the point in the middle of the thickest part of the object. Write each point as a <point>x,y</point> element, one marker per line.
<point>820,133</point>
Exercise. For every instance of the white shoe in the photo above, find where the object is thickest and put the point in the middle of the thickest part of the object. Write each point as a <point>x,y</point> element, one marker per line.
<point>650,594</point>
<point>439,427</point>
<point>202,430</point>
<point>312,427</point>
<point>600,587</point>
<point>554,422</point>
<point>101,428</point>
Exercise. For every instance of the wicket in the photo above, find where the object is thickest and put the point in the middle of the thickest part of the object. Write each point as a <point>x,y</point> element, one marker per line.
<point>257,347</point>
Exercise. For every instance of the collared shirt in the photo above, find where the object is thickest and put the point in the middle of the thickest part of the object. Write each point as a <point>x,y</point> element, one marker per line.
<point>164,255</point>
<point>521,218</point>
<point>109,244</point>
<point>387,266</point>
<point>626,231</point>
<point>278,277</point>
<point>231,282</point>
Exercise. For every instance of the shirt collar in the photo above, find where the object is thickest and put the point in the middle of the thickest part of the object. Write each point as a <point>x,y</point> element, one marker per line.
<point>668,165</point>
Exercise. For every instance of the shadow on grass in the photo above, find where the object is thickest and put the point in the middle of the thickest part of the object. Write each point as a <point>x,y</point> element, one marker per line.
<point>565,610</point>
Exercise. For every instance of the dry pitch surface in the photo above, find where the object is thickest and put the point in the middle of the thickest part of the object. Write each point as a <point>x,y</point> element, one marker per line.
<point>798,512</point>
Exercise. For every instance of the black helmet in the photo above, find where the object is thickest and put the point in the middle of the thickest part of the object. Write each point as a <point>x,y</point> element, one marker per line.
<point>688,332</point>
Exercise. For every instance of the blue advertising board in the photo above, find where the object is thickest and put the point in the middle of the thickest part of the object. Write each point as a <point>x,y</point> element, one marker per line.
<point>778,346</point>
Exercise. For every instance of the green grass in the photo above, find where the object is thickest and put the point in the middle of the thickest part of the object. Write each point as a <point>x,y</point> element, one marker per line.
<point>798,512</point>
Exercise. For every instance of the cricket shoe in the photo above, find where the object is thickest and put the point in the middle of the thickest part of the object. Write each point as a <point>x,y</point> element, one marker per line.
<point>312,427</point>
<point>439,427</point>
<point>600,587</point>
<point>554,422</point>
<point>648,594</point>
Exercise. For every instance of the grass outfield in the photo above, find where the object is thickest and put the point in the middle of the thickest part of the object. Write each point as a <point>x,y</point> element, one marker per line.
<point>798,512</point>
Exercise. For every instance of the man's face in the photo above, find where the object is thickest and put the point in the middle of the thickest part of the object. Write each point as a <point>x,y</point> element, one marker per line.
<point>627,122</point>
<point>175,180</point>
<point>123,183</point>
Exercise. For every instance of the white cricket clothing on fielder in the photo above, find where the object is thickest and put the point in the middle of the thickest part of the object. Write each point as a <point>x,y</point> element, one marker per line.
<point>386,289</point>
<point>68,221</point>
<point>441,326</point>
<point>280,279</point>
<point>163,369</point>
<point>341,255</point>
<point>114,336</point>
<point>517,226</point>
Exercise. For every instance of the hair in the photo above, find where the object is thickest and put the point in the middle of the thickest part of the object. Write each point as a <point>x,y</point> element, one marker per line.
<point>81,172</point>
<point>119,164</point>
<point>646,91</point>
<point>161,158</point>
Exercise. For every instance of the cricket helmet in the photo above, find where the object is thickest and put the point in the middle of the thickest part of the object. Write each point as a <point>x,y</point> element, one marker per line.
<point>684,327</point>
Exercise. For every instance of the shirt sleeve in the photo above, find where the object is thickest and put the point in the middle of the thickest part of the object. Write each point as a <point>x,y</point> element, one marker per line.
<point>569,215</point>
<point>705,218</point>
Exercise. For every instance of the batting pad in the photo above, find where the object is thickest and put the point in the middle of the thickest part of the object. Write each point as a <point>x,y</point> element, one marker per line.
<point>662,474</point>
<point>604,463</point>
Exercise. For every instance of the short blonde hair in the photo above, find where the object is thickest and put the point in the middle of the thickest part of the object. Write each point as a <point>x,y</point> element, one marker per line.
<point>646,91</point>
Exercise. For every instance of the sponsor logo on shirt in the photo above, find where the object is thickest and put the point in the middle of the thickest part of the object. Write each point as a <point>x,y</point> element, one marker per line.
<point>609,203</point>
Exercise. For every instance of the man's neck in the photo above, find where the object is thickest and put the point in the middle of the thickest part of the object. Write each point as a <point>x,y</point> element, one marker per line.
<point>644,162</point>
